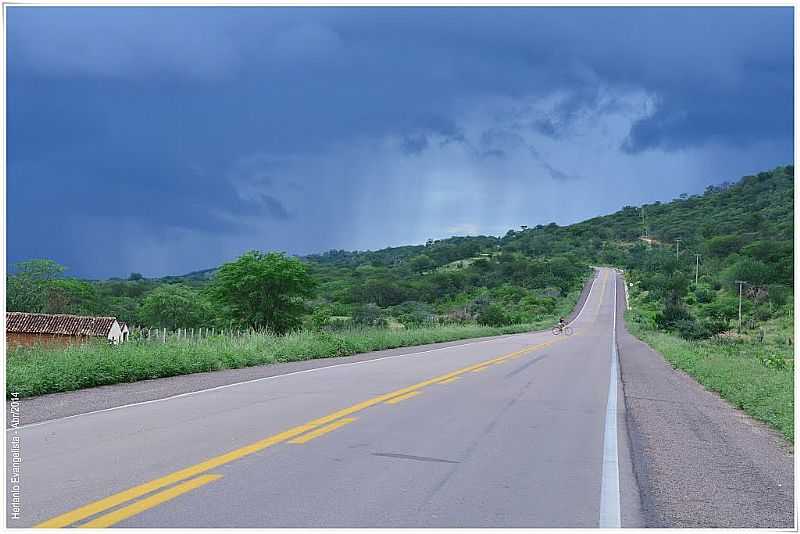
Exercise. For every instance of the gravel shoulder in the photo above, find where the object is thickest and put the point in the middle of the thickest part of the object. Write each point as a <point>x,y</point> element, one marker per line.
<point>698,461</point>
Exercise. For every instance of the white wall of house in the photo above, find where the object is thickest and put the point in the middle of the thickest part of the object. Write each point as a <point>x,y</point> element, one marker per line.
<point>115,334</point>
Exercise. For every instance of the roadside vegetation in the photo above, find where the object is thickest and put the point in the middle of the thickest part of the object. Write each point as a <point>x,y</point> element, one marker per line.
<point>39,370</point>
<point>754,376</point>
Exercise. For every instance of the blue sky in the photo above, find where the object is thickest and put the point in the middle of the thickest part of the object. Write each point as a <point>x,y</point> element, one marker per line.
<point>166,140</point>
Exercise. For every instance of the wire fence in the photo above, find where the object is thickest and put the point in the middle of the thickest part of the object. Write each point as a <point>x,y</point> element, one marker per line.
<point>190,335</point>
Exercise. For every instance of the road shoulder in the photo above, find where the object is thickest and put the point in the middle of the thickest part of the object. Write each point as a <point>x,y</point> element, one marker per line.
<point>698,461</point>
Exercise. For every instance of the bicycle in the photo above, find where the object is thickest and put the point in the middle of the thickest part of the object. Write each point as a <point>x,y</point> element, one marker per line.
<point>566,330</point>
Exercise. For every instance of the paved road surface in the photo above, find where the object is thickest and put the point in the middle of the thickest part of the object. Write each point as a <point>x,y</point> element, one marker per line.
<point>516,431</point>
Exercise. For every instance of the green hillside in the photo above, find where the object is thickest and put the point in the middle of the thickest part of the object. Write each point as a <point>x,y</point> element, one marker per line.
<point>724,220</point>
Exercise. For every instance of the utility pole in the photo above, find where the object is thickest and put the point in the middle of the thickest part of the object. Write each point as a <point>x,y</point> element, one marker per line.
<point>644,223</point>
<point>677,247</point>
<point>697,270</point>
<point>741,283</point>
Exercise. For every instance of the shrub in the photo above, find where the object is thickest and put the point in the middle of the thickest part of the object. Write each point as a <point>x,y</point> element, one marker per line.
<point>704,294</point>
<point>369,315</point>
<point>672,316</point>
<point>493,315</point>
<point>412,313</point>
<point>320,318</point>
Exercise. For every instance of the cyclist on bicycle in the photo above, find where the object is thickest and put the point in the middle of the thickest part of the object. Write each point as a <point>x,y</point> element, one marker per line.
<point>561,323</point>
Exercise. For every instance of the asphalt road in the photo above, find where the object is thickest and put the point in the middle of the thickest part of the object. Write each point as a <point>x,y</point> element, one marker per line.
<point>527,430</point>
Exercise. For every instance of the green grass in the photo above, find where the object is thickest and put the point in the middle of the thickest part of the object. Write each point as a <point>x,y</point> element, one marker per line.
<point>755,377</point>
<point>39,370</point>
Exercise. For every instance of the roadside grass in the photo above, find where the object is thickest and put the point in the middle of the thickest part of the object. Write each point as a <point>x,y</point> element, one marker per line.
<point>42,369</point>
<point>755,377</point>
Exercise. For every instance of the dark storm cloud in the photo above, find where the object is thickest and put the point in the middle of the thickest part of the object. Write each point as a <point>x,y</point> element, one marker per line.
<point>208,130</point>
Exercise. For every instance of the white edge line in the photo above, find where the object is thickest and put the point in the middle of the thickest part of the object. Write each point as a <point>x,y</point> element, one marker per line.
<point>315,369</point>
<point>609,489</point>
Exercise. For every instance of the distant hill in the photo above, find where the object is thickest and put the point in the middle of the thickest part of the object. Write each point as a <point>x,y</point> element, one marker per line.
<point>755,207</point>
<point>725,219</point>
<point>194,276</point>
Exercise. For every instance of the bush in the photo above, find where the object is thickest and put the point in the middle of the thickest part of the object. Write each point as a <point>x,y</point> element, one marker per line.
<point>672,316</point>
<point>724,309</point>
<point>779,294</point>
<point>723,245</point>
<point>369,315</point>
<point>704,294</point>
<point>493,315</point>
<point>695,329</point>
<point>753,271</point>
<point>320,318</point>
<point>773,361</point>
<point>412,313</point>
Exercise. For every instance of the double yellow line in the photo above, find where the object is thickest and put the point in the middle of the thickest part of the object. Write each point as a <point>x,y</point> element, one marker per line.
<point>602,294</point>
<point>182,476</point>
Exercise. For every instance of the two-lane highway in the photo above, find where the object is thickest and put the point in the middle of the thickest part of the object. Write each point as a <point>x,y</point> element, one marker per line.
<point>509,432</point>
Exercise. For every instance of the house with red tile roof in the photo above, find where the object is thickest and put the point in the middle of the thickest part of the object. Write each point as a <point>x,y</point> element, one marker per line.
<point>32,328</point>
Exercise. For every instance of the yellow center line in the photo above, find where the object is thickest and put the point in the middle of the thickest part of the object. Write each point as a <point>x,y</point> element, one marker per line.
<point>401,398</point>
<point>602,294</point>
<point>105,521</point>
<point>479,369</point>
<point>101,505</point>
<point>322,431</point>
<point>449,380</point>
